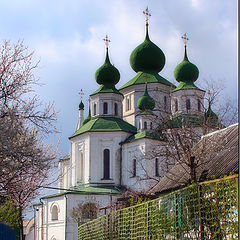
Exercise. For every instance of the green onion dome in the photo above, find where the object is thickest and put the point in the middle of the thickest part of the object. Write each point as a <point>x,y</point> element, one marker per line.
<point>147,57</point>
<point>81,106</point>
<point>146,102</point>
<point>186,71</point>
<point>88,118</point>
<point>107,74</point>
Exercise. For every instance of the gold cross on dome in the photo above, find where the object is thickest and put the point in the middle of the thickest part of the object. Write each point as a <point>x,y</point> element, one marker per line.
<point>185,39</point>
<point>107,41</point>
<point>147,15</point>
<point>81,94</point>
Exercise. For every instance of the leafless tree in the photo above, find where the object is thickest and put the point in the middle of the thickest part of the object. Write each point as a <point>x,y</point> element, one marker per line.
<point>25,160</point>
<point>84,212</point>
<point>180,133</point>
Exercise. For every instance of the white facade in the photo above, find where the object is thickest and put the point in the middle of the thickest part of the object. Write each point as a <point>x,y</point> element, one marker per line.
<point>159,92</point>
<point>105,160</point>
<point>189,101</point>
<point>50,225</point>
<point>130,162</point>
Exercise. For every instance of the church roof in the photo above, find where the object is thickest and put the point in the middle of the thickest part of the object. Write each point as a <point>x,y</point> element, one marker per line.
<point>147,77</point>
<point>105,124</point>
<point>186,86</point>
<point>144,134</point>
<point>101,190</point>
<point>106,89</point>
<point>65,158</point>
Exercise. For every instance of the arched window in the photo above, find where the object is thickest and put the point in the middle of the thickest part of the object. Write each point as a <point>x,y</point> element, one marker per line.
<point>134,168</point>
<point>106,164</point>
<point>128,103</point>
<point>145,125</point>
<point>94,109</point>
<point>165,103</point>
<point>115,109</point>
<point>151,125</point>
<point>156,167</point>
<point>176,105</point>
<point>54,213</point>
<point>105,108</point>
<point>199,105</point>
<point>188,104</point>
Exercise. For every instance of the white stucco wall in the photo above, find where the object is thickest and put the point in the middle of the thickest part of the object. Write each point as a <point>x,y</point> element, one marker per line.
<point>156,90</point>
<point>182,96</point>
<point>92,145</point>
<point>65,228</point>
<point>145,152</point>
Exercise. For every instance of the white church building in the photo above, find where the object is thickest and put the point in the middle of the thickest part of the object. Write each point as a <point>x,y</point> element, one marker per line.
<point>108,150</point>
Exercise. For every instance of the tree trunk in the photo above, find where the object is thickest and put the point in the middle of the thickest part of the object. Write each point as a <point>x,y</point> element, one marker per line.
<point>192,169</point>
<point>20,224</point>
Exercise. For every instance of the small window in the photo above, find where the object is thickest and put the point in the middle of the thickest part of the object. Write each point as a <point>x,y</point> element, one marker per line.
<point>105,108</point>
<point>128,103</point>
<point>145,125</point>
<point>115,109</point>
<point>134,168</point>
<point>94,109</point>
<point>188,104</point>
<point>176,105</point>
<point>199,105</point>
<point>151,125</point>
<point>54,213</point>
<point>156,167</point>
<point>165,103</point>
<point>139,125</point>
<point>106,164</point>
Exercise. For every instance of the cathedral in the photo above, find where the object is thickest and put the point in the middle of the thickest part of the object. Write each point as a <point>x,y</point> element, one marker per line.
<point>108,149</point>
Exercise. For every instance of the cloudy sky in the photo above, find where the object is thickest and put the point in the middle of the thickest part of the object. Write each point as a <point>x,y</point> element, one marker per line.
<point>67,37</point>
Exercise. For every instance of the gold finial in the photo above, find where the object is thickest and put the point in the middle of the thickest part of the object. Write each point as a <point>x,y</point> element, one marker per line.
<point>107,41</point>
<point>81,93</point>
<point>147,15</point>
<point>185,39</point>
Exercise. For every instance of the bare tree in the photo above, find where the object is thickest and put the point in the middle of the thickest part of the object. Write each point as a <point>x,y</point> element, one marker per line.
<point>84,212</point>
<point>25,161</point>
<point>180,133</point>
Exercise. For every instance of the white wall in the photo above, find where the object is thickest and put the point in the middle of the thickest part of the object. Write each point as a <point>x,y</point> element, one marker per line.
<point>156,90</point>
<point>145,152</point>
<point>110,98</point>
<point>65,227</point>
<point>92,144</point>
<point>182,96</point>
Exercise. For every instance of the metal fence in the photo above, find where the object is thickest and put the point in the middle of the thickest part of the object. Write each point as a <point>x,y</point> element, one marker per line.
<point>208,210</point>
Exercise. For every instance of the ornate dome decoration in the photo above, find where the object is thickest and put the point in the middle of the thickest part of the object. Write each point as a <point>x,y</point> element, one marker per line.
<point>107,74</point>
<point>146,103</point>
<point>147,56</point>
<point>81,105</point>
<point>186,71</point>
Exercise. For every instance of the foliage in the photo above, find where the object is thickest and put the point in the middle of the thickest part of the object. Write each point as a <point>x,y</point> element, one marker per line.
<point>9,214</point>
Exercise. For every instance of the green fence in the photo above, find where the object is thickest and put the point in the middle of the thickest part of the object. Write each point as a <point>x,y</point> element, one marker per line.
<point>207,210</point>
